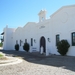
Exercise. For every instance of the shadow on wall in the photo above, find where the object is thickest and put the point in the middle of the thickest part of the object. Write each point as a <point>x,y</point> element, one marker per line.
<point>66,62</point>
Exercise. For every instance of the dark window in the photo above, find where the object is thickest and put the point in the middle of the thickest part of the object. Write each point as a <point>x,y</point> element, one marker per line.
<point>73,39</point>
<point>20,42</point>
<point>57,39</point>
<point>31,41</point>
<point>16,41</point>
<point>25,40</point>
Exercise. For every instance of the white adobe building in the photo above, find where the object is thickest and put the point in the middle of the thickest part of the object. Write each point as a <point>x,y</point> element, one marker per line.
<point>46,33</point>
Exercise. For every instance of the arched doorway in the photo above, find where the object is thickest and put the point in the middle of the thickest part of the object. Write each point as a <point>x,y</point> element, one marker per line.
<point>43,43</point>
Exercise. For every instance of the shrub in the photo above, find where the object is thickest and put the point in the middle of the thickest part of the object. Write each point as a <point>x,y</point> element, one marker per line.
<point>26,47</point>
<point>62,47</point>
<point>1,44</point>
<point>17,47</point>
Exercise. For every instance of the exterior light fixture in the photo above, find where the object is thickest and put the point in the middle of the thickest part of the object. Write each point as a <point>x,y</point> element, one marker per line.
<point>34,40</point>
<point>48,39</point>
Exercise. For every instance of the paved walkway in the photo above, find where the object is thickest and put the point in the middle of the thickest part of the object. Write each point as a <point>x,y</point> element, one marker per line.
<point>10,61</point>
<point>35,64</point>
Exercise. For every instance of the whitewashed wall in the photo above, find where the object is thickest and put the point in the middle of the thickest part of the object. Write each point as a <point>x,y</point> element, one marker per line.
<point>8,38</point>
<point>62,22</point>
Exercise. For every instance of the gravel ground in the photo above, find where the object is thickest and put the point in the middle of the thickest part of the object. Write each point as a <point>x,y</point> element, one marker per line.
<point>35,64</point>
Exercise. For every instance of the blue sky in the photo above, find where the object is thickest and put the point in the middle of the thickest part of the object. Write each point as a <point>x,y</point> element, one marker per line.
<point>16,13</point>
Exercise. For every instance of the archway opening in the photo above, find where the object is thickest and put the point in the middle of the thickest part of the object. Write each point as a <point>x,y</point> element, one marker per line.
<point>43,43</point>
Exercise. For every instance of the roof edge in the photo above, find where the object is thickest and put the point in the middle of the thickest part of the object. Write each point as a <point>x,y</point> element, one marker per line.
<point>61,9</point>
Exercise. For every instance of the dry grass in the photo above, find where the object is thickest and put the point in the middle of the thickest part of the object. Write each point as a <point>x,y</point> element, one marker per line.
<point>2,57</point>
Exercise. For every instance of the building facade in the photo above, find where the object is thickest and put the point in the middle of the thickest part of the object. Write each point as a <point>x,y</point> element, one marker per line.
<point>46,33</point>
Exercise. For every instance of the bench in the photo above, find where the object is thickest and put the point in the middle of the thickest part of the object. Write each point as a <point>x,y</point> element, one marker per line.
<point>34,49</point>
